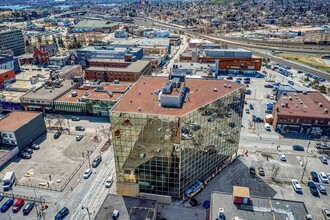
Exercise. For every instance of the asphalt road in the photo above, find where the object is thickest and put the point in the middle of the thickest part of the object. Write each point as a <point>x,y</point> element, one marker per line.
<point>257,50</point>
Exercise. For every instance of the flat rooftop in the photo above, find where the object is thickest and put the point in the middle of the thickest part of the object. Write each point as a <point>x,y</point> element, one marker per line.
<point>49,94</point>
<point>11,96</point>
<point>261,208</point>
<point>4,71</point>
<point>17,119</point>
<point>109,49</point>
<point>141,42</point>
<point>303,105</point>
<point>67,97</point>
<point>132,208</point>
<point>141,96</point>
<point>137,66</point>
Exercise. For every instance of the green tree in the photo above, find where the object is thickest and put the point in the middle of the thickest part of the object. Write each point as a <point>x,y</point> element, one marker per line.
<point>323,89</point>
<point>54,40</point>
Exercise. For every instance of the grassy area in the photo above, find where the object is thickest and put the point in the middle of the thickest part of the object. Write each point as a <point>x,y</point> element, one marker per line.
<point>310,60</point>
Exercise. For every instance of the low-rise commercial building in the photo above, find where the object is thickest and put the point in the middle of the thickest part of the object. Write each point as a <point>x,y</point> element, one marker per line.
<point>8,61</point>
<point>170,132</point>
<point>95,100</point>
<point>108,70</point>
<point>42,98</point>
<point>302,113</point>
<point>6,76</point>
<point>20,128</point>
<point>95,26</point>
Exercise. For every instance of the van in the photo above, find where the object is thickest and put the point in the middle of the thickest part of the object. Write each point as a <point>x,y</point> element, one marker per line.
<point>8,180</point>
<point>115,214</point>
<point>267,127</point>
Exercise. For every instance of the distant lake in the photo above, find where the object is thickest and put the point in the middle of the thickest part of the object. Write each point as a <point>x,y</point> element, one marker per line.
<point>106,5</point>
<point>13,7</point>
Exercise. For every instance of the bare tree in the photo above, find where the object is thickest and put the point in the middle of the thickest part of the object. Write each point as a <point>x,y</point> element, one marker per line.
<point>60,120</point>
<point>48,120</point>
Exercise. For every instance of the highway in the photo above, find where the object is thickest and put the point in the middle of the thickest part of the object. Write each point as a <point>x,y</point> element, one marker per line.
<point>260,51</point>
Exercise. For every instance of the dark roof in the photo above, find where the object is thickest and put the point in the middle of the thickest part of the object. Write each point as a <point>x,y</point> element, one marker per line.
<point>133,208</point>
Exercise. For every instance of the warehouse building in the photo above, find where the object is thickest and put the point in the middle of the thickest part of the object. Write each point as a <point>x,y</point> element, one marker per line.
<point>170,132</point>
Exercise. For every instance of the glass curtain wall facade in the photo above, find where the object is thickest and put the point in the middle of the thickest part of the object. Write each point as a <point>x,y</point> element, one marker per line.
<point>166,154</point>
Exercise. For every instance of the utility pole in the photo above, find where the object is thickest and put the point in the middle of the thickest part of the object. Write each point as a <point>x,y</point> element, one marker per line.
<point>309,142</point>
<point>89,214</point>
<point>302,176</point>
<point>89,161</point>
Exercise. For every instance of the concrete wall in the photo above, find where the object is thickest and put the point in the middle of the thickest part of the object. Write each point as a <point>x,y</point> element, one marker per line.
<point>160,198</point>
<point>30,131</point>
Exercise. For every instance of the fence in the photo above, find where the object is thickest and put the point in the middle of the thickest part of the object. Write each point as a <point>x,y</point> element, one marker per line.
<point>27,198</point>
<point>46,187</point>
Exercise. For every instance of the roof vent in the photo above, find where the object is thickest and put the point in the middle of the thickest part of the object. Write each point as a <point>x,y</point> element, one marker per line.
<point>290,98</point>
<point>321,104</point>
<point>215,89</point>
<point>131,101</point>
<point>229,86</point>
<point>225,85</point>
<point>296,105</point>
<point>326,110</point>
<point>139,109</point>
<point>139,93</point>
<point>282,105</point>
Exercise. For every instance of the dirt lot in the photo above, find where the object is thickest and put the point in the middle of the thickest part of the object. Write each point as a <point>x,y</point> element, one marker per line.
<point>56,160</point>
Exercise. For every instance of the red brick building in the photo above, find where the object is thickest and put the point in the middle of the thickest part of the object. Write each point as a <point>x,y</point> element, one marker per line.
<point>304,113</point>
<point>109,70</point>
<point>6,75</point>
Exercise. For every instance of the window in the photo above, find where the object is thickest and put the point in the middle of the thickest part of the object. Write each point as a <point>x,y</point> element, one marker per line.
<point>10,135</point>
<point>4,135</point>
<point>13,142</point>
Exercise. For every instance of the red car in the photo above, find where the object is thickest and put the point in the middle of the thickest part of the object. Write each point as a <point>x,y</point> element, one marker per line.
<point>18,205</point>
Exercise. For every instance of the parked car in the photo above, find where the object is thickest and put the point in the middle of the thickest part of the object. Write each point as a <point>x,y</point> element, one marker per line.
<point>323,177</point>
<point>296,186</point>
<point>18,205</point>
<point>261,171</point>
<point>269,86</point>
<point>321,188</point>
<point>87,173</point>
<point>28,208</point>
<point>229,78</point>
<point>312,188</point>
<point>74,118</point>
<point>80,128</point>
<point>269,111</point>
<point>251,107</point>
<point>247,111</point>
<point>291,82</point>
<point>314,176</point>
<point>25,155</point>
<point>7,204</point>
<point>282,157</point>
<point>79,137</point>
<point>28,150</point>
<point>62,213</point>
<point>252,171</point>
<point>97,161</point>
<point>248,92</point>
<point>298,147</point>
<point>57,134</point>
<point>326,213</point>
<point>108,182</point>
<point>324,159</point>
<point>35,147</point>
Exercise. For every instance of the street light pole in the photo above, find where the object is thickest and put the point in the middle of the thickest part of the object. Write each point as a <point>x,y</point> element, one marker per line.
<point>89,214</point>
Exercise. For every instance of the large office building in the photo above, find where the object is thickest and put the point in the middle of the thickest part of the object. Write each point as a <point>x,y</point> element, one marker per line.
<point>108,52</point>
<point>170,132</point>
<point>109,70</point>
<point>12,39</point>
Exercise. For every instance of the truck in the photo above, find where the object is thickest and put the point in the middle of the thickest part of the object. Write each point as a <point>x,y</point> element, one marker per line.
<point>8,180</point>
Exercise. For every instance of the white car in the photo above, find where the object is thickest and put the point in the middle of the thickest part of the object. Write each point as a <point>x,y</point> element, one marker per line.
<point>108,182</point>
<point>282,157</point>
<point>87,173</point>
<point>323,177</point>
<point>326,213</point>
<point>296,186</point>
